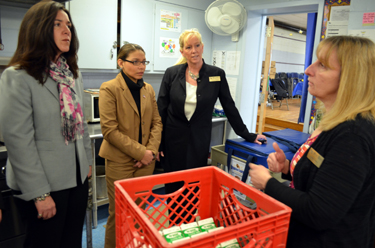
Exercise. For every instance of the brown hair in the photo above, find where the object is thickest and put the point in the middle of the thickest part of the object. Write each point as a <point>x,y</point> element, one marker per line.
<point>36,45</point>
<point>128,48</point>
<point>356,93</point>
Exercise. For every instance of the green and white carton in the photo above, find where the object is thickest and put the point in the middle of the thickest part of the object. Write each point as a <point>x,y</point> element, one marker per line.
<point>172,234</point>
<point>190,229</point>
<point>180,240</point>
<point>230,244</point>
<point>216,229</point>
<point>206,224</point>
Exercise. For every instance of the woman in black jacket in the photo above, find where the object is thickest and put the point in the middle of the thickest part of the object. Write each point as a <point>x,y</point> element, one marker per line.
<point>333,174</point>
<point>188,93</point>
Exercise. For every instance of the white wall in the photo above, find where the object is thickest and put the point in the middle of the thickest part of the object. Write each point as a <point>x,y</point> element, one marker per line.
<point>357,8</point>
<point>288,51</point>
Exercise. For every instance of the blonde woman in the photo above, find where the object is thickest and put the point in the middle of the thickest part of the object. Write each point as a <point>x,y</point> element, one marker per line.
<point>188,93</point>
<point>333,173</point>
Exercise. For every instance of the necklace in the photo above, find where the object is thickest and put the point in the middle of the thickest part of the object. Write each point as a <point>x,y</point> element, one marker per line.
<point>194,77</point>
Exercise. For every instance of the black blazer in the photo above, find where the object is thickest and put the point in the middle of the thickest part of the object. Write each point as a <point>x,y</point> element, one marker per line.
<point>186,143</point>
<point>333,205</point>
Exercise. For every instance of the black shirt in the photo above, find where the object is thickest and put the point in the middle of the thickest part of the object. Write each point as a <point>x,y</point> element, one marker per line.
<point>135,89</point>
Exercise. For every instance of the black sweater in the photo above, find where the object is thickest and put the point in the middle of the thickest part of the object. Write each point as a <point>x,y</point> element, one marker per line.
<point>334,205</point>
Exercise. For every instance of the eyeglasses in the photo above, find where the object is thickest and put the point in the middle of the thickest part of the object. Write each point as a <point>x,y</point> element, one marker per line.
<point>137,63</point>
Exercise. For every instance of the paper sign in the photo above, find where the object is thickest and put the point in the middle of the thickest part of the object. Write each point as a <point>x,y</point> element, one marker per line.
<point>368,19</point>
<point>335,28</point>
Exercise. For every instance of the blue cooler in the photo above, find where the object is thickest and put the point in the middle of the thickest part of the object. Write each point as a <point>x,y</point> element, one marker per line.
<point>252,152</point>
<point>293,139</point>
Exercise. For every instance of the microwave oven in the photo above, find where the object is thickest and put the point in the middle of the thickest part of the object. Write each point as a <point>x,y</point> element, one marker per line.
<point>91,107</point>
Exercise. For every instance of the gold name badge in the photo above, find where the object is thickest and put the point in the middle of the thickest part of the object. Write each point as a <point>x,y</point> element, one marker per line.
<point>214,79</point>
<point>315,157</point>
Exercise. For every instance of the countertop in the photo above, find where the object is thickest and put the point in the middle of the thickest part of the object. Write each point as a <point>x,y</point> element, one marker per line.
<point>96,132</point>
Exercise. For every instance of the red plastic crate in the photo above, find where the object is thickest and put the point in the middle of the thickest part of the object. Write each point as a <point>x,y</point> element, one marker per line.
<point>264,226</point>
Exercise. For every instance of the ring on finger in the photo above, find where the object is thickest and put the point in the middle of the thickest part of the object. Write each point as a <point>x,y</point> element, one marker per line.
<point>40,215</point>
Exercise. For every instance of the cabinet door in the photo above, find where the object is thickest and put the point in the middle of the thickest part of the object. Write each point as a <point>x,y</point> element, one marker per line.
<point>137,25</point>
<point>96,25</point>
<point>11,18</point>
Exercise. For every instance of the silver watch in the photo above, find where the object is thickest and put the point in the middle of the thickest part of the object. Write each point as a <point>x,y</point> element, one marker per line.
<point>42,197</point>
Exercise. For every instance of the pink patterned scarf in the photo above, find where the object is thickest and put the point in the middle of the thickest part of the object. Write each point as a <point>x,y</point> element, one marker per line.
<point>70,109</point>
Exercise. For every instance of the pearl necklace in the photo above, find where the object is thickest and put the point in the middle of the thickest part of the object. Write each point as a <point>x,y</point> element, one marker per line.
<point>194,77</point>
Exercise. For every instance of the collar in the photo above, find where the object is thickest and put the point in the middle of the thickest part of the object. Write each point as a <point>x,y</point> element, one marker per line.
<point>201,71</point>
<point>131,85</point>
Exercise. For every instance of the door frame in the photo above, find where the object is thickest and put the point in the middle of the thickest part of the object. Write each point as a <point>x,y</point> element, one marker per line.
<point>254,34</point>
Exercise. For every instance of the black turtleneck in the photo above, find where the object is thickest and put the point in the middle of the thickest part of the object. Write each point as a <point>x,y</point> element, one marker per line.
<point>135,89</point>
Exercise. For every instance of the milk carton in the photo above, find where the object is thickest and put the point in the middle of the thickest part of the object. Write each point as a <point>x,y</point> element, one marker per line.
<point>190,229</point>
<point>230,244</point>
<point>206,224</point>
<point>180,240</point>
<point>215,229</point>
<point>172,234</point>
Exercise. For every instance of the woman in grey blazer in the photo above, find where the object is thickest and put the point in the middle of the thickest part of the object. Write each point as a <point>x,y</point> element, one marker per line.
<point>43,128</point>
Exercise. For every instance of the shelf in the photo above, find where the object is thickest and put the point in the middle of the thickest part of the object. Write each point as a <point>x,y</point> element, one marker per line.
<point>103,201</point>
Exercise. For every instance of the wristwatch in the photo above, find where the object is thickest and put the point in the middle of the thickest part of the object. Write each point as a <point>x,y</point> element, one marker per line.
<point>42,197</point>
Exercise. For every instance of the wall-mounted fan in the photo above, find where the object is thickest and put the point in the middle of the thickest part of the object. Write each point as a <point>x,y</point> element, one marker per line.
<point>226,17</point>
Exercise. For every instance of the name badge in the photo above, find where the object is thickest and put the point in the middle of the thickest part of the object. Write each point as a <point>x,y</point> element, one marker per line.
<point>315,157</point>
<point>215,79</point>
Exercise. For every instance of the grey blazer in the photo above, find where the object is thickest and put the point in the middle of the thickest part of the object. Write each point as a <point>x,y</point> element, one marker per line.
<point>38,159</point>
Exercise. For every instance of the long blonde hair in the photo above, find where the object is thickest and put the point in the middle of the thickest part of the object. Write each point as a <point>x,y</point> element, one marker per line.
<point>182,40</point>
<point>356,93</point>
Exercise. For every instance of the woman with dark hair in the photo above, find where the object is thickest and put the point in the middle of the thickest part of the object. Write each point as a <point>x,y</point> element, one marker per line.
<point>131,126</point>
<point>49,152</point>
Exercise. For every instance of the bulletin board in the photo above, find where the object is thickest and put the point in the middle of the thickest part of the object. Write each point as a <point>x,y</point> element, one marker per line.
<point>166,45</point>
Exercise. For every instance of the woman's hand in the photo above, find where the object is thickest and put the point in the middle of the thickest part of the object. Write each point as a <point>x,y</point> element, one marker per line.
<point>137,164</point>
<point>259,176</point>
<point>147,158</point>
<point>260,136</point>
<point>277,161</point>
<point>46,209</point>
<point>160,154</point>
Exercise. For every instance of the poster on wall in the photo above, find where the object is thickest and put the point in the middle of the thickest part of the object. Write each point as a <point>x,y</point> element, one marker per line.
<point>169,48</point>
<point>232,83</point>
<point>368,19</point>
<point>218,59</point>
<point>170,21</point>
<point>339,13</point>
<point>232,63</point>
<point>335,28</point>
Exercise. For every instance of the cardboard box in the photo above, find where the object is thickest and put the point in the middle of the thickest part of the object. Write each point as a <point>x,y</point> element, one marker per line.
<point>273,70</point>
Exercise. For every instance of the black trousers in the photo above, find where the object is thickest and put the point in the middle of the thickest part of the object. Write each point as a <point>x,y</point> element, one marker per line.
<point>64,230</point>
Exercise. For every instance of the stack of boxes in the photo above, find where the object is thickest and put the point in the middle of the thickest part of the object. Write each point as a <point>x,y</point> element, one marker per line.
<point>187,231</point>
<point>272,69</point>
